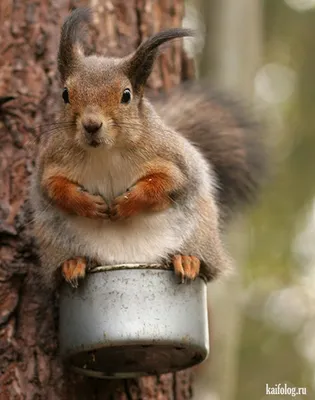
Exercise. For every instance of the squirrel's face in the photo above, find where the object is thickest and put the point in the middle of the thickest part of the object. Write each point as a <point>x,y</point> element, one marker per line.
<point>103,95</point>
<point>100,102</point>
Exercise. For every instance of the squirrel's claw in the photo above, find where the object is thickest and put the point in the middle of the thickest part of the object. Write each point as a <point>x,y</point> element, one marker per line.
<point>73,270</point>
<point>122,208</point>
<point>187,267</point>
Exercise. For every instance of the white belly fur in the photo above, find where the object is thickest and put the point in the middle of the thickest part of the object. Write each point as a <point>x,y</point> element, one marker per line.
<point>145,238</point>
<point>140,239</point>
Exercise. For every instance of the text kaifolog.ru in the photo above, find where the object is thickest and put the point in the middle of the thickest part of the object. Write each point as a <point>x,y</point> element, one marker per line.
<point>280,389</point>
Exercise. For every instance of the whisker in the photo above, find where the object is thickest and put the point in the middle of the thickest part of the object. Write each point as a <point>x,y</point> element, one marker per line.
<point>139,127</point>
<point>31,221</point>
<point>54,129</point>
<point>55,124</point>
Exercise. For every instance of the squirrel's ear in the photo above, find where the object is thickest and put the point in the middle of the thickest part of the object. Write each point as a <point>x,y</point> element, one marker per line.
<point>72,35</point>
<point>139,65</point>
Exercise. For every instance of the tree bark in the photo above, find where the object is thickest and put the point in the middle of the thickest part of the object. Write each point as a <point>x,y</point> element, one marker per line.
<point>29,31</point>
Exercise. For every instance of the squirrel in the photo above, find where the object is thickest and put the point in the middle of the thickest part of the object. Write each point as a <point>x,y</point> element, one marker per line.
<point>122,180</point>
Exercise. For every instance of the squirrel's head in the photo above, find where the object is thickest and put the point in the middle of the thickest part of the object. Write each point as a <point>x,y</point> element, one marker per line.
<point>103,95</point>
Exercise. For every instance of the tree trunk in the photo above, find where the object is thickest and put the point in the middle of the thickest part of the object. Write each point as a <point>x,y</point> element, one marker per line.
<point>29,31</point>
<point>230,60</point>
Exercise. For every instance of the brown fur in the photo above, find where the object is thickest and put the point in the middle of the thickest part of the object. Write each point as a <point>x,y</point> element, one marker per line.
<point>151,193</point>
<point>138,168</point>
<point>72,35</point>
<point>71,198</point>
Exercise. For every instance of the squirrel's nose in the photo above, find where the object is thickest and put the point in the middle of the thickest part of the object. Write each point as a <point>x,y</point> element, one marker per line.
<point>92,126</point>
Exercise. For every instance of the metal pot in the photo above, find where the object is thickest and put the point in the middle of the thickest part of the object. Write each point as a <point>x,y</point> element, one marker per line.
<point>133,320</point>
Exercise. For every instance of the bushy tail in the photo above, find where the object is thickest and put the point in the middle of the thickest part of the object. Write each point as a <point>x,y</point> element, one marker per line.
<point>227,135</point>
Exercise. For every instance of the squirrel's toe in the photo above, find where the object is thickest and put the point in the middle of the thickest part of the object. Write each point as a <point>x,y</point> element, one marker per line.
<point>73,270</point>
<point>187,267</point>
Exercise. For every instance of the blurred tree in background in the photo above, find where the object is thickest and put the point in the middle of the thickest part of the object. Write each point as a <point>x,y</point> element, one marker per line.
<point>263,320</point>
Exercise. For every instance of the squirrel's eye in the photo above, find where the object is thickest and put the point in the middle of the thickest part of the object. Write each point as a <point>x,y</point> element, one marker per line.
<point>126,97</point>
<point>65,95</point>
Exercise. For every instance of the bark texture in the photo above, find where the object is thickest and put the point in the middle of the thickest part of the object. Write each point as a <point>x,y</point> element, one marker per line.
<point>29,34</point>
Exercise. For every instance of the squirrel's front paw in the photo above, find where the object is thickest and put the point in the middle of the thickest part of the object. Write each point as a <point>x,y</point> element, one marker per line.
<point>125,206</point>
<point>140,198</point>
<point>187,267</point>
<point>73,270</point>
<point>91,206</point>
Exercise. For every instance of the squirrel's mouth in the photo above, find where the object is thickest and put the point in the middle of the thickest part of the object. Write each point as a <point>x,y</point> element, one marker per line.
<point>94,143</point>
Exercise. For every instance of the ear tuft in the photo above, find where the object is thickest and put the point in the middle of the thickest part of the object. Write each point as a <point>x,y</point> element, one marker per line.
<point>140,63</point>
<point>72,35</point>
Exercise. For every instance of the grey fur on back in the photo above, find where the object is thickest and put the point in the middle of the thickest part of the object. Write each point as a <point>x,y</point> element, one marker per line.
<point>228,135</point>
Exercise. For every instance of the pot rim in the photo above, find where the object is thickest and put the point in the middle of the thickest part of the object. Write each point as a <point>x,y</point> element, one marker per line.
<point>130,266</point>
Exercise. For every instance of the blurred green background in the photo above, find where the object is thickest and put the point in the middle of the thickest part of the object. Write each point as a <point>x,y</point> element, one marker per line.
<point>262,319</point>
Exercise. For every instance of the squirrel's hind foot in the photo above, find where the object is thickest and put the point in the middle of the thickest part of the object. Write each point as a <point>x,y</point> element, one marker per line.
<point>187,267</point>
<point>74,269</point>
